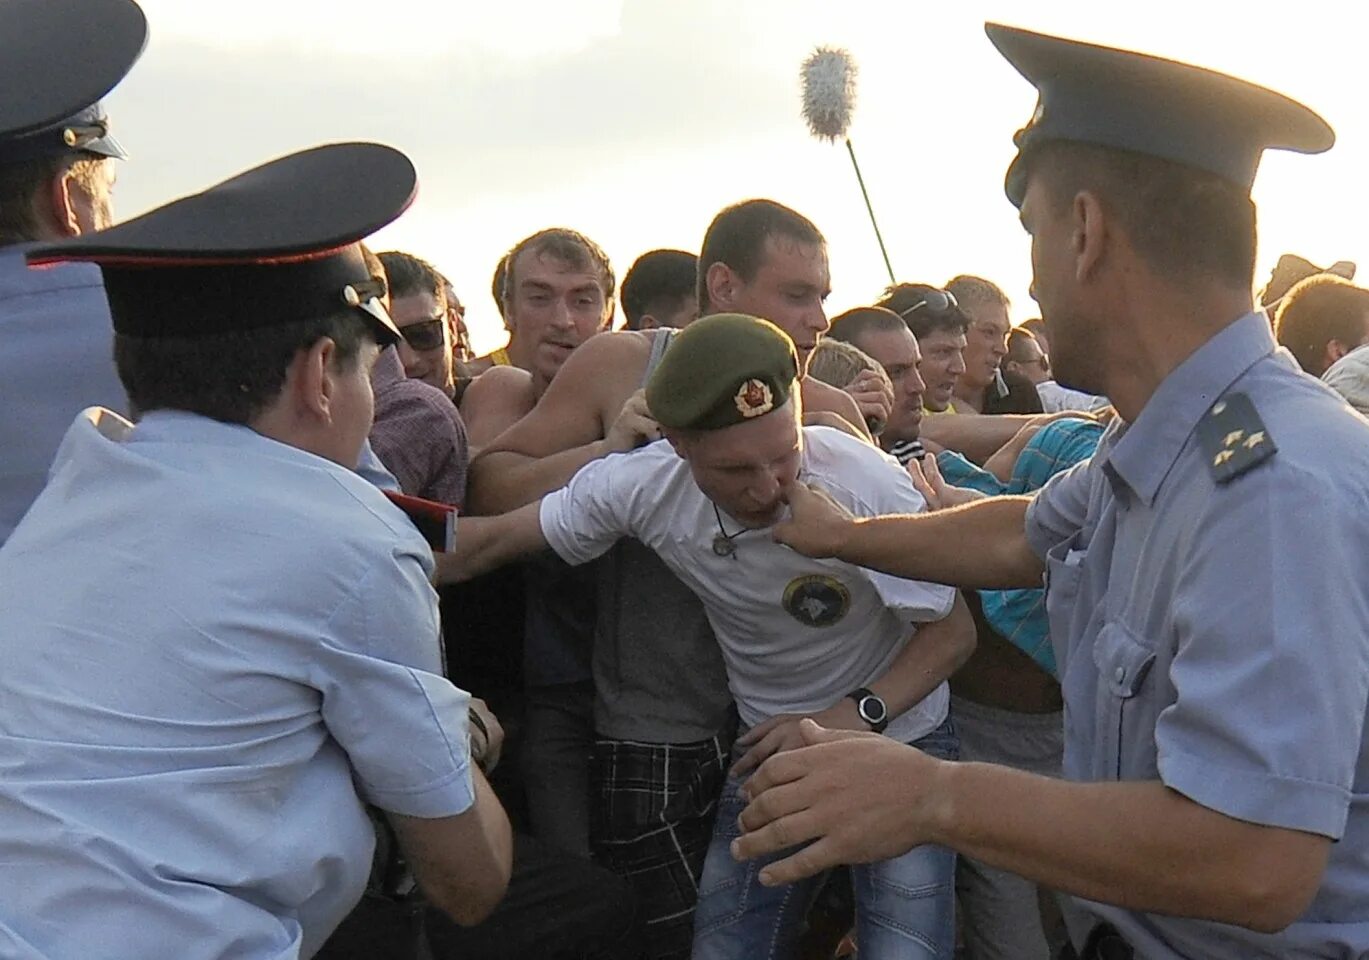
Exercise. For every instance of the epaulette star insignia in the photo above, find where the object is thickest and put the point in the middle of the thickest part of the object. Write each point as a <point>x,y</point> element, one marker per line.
<point>1233,437</point>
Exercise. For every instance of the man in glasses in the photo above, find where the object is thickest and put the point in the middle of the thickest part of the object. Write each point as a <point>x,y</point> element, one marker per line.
<point>417,433</point>
<point>941,328</point>
<point>418,303</point>
<point>1026,358</point>
<point>1212,648</point>
<point>663,712</point>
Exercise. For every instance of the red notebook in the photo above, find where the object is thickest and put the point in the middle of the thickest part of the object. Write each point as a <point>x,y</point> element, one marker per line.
<point>436,521</point>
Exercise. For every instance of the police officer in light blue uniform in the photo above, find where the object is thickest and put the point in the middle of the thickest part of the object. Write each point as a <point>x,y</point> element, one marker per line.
<point>218,640</point>
<point>57,59</point>
<point>1207,570</point>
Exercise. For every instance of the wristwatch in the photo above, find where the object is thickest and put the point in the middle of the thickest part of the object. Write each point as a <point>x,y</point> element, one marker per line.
<point>871,708</point>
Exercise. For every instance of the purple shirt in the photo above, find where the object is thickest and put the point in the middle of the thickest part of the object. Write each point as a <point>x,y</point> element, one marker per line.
<point>418,434</point>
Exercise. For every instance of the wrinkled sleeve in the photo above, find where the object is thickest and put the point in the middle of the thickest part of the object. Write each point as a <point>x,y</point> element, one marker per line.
<point>385,701</point>
<point>1271,672</point>
<point>587,516</point>
<point>1059,509</point>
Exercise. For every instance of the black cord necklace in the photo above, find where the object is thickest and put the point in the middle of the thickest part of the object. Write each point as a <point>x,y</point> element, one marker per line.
<point>724,544</point>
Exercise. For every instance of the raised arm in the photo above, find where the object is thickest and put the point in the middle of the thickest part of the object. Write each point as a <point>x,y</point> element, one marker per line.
<point>978,436</point>
<point>565,430</point>
<point>486,543</point>
<point>982,545</point>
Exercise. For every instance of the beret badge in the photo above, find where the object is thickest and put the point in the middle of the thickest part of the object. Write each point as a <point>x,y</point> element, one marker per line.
<point>754,398</point>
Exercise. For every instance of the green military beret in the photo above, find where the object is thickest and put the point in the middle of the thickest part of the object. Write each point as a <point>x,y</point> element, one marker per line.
<point>721,371</point>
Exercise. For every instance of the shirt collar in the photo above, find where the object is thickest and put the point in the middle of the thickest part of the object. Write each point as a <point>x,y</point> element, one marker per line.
<point>1142,453</point>
<point>184,427</point>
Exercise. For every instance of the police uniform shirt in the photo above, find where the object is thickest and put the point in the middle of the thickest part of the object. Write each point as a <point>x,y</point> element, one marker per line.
<point>56,359</point>
<point>1209,603</point>
<point>797,634</point>
<point>214,646</point>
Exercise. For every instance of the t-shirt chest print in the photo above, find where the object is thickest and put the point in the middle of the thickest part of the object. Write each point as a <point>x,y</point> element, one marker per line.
<point>816,600</point>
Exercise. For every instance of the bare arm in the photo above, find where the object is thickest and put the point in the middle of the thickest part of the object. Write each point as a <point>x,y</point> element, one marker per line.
<point>463,863</point>
<point>486,543</point>
<point>819,397</point>
<point>1138,845</point>
<point>975,435</point>
<point>1003,461</point>
<point>565,430</point>
<point>495,401</point>
<point>935,652</point>
<point>981,545</point>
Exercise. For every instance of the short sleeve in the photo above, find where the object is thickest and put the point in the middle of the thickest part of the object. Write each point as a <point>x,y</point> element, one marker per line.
<point>384,699</point>
<point>1060,508</point>
<point>1271,673</point>
<point>587,516</point>
<point>885,488</point>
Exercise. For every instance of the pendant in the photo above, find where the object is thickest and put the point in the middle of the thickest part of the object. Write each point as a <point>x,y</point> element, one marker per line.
<point>723,546</point>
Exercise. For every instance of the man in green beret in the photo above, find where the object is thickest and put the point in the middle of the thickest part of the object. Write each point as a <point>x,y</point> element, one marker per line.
<point>800,638</point>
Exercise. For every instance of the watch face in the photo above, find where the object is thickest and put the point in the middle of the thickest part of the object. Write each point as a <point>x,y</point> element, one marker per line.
<point>872,709</point>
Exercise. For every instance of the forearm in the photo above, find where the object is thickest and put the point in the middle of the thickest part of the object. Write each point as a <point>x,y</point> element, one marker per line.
<point>502,480</point>
<point>935,652</point>
<point>486,543</point>
<point>981,545</point>
<point>977,436</point>
<point>1138,845</point>
<point>1004,460</point>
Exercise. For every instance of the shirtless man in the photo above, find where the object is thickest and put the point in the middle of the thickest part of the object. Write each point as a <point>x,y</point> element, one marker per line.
<point>557,295</point>
<point>758,258</point>
<point>662,706</point>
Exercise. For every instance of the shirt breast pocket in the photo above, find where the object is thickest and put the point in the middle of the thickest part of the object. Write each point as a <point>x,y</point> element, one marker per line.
<point>1124,745</point>
<point>1064,573</point>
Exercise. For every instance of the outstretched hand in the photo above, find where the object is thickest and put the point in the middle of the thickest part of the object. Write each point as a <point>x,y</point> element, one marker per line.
<point>817,526</point>
<point>939,494</point>
<point>849,797</point>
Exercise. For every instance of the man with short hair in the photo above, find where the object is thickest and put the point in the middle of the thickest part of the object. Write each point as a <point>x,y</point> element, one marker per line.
<point>418,302</point>
<point>663,714</point>
<point>1026,357</point>
<point>942,328</point>
<point>246,653</point>
<point>880,333</point>
<point>558,292</point>
<point>1213,655</point>
<point>1322,319</point>
<point>727,396</point>
<point>416,432</point>
<point>57,171</point>
<point>986,340</point>
<point>659,290</point>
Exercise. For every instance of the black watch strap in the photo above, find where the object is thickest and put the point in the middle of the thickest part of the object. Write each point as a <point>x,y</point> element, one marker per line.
<point>871,708</point>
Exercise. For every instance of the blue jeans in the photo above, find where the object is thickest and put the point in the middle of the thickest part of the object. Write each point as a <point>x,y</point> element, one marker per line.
<point>905,907</point>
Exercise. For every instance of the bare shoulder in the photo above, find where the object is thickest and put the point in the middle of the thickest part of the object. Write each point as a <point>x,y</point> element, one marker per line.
<point>496,400</point>
<point>604,370</point>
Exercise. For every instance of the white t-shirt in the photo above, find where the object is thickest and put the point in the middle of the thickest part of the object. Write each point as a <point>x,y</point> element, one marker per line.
<point>1056,398</point>
<point>797,634</point>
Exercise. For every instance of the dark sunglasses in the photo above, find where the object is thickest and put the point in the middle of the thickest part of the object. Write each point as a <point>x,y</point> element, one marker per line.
<point>935,302</point>
<point>426,334</point>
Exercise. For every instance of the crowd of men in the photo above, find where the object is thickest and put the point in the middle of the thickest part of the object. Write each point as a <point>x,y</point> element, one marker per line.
<point>901,633</point>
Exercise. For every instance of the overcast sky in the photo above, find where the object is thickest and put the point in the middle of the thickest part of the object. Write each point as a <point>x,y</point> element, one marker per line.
<point>636,121</point>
